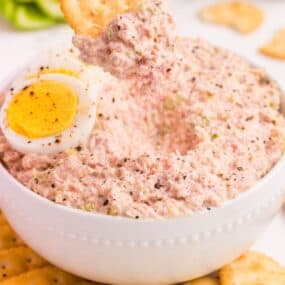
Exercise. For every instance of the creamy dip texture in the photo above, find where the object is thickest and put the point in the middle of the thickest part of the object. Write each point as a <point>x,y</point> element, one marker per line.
<point>182,126</point>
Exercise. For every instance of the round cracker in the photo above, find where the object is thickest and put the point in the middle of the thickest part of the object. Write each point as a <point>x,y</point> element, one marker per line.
<point>253,269</point>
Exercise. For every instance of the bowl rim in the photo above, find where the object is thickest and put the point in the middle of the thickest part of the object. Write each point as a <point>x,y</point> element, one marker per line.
<point>96,215</point>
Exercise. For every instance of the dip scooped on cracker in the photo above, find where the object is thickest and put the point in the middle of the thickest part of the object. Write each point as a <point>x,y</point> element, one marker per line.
<point>90,17</point>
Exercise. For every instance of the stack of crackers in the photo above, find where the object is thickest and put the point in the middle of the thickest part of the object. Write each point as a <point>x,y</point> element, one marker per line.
<point>19,265</point>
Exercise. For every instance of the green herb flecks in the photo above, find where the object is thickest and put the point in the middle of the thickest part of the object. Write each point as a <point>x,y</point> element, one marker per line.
<point>214,137</point>
<point>171,103</point>
<point>205,120</point>
<point>89,207</point>
<point>110,35</point>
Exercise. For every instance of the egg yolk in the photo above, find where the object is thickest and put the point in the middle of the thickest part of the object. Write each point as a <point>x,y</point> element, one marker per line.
<point>45,70</point>
<point>60,71</point>
<point>43,109</point>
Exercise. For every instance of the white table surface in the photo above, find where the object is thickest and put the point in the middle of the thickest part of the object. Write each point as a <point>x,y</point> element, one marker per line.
<point>16,47</point>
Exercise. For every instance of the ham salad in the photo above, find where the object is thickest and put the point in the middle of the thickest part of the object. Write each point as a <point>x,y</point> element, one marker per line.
<point>182,126</point>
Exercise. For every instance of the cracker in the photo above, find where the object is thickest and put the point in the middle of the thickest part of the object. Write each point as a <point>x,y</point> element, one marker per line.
<point>276,47</point>
<point>242,16</point>
<point>18,260</point>
<point>253,259</point>
<point>89,17</point>
<point>203,281</point>
<point>43,276</point>
<point>253,269</point>
<point>8,238</point>
<point>86,283</point>
<point>3,220</point>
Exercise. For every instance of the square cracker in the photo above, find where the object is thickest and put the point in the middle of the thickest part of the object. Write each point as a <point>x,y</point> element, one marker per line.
<point>91,17</point>
<point>18,260</point>
<point>43,276</point>
<point>87,283</point>
<point>8,238</point>
<point>2,219</point>
<point>203,281</point>
<point>276,47</point>
<point>242,16</point>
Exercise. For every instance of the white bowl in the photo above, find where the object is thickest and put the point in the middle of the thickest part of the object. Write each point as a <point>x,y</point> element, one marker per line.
<point>118,250</point>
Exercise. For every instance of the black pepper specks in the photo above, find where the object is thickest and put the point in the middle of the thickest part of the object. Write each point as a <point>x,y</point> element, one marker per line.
<point>79,148</point>
<point>264,80</point>
<point>157,185</point>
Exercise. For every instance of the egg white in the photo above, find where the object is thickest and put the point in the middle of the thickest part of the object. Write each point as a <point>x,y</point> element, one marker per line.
<point>71,137</point>
<point>60,58</point>
<point>87,84</point>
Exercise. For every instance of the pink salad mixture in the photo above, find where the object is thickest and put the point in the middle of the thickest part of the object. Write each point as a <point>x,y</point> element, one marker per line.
<point>182,126</point>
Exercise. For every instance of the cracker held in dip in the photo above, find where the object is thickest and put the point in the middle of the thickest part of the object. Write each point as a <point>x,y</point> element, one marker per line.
<point>182,126</point>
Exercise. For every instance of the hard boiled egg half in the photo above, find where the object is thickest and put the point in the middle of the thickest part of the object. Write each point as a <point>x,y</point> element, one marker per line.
<point>51,106</point>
